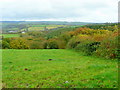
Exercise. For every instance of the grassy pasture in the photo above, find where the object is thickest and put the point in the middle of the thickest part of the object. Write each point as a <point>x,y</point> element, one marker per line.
<point>68,69</point>
<point>9,35</point>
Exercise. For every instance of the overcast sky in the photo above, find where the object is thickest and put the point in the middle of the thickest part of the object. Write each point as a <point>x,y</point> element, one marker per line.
<point>60,10</point>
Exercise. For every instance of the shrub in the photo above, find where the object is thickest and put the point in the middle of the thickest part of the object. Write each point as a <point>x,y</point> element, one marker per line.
<point>45,44</point>
<point>0,44</point>
<point>87,47</point>
<point>77,40</point>
<point>52,44</point>
<point>61,44</point>
<point>5,45</point>
<point>55,43</point>
<point>108,48</point>
<point>7,40</point>
<point>73,43</point>
<point>36,45</point>
<point>83,43</point>
<point>66,37</point>
<point>19,43</point>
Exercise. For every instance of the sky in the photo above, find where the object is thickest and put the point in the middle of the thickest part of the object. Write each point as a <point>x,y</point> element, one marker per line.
<point>59,10</point>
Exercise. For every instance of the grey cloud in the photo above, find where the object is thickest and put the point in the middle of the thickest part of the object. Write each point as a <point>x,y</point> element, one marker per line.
<point>87,10</point>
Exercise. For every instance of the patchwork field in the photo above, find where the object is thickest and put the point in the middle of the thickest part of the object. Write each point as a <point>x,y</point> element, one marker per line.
<point>57,69</point>
<point>9,35</point>
<point>43,27</point>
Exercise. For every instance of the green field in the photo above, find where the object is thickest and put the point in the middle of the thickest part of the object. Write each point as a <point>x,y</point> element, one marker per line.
<point>68,69</point>
<point>9,35</point>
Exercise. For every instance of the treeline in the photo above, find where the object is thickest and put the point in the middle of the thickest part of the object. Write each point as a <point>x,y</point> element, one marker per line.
<point>98,42</point>
<point>105,26</point>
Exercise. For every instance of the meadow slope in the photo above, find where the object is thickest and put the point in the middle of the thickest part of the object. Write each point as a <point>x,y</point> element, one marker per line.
<point>67,69</point>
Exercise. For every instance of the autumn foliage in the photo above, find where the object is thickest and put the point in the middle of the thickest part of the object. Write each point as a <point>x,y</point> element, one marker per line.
<point>90,41</point>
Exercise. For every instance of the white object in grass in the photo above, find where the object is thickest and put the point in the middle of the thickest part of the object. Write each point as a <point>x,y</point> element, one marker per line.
<point>66,82</point>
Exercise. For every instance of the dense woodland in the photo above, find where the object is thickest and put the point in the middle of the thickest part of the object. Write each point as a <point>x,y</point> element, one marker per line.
<point>95,39</point>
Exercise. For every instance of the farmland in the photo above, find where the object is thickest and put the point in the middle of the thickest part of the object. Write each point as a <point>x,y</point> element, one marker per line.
<point>59,44</point>
<point>73,56</point>
<point>44,27</point>
<point>35,26</point>
<point>9,35</point>
<point>67,69</point>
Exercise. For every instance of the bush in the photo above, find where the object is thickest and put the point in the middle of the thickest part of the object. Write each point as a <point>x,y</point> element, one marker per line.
<point>19,43</point>
<point>77,40</point>
<point>73,43</point>
<point>45,44</point>
<point>0,44</point>
<point>36,45</point>
<point>61,44</point>
<point>87,47</point>
<point>108,48</point>
<point>5,44</point>
<point>66,37</point>
<point>83,43</point>
<point>52,44</point>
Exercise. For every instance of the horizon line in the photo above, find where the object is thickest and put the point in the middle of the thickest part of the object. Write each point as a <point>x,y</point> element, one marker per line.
<point>50,21</point>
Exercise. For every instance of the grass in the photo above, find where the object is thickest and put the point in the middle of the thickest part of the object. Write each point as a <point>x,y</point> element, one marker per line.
<point>9,35</point>
<point>68,69</point>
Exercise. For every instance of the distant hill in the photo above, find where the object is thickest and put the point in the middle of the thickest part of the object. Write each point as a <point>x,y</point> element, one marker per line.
<point>48,22</point>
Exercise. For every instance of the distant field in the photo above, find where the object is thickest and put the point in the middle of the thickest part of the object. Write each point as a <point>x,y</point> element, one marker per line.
<point>35,28</point>
<point>67,69</point>
<point>9,35</point>
<point>49,25</point>
<point>42,27</point>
